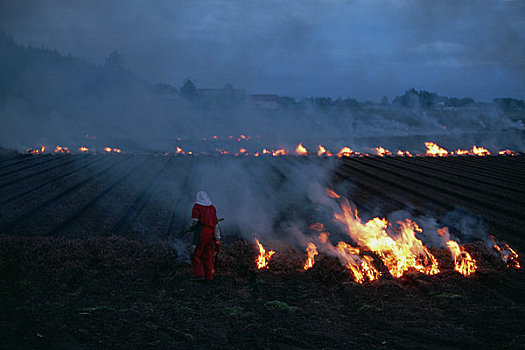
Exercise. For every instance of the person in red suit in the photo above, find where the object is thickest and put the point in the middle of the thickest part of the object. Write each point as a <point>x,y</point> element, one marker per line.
<point>204,215</point>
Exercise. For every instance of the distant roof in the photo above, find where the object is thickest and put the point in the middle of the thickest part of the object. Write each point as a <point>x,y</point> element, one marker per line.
<point>263,97</point>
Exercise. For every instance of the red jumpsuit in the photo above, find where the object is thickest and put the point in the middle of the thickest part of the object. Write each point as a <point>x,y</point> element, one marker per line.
<point>202,259</point>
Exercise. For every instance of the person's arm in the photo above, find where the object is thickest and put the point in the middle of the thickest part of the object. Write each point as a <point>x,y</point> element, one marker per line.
<point>195,213</point>
<point>217,239</point>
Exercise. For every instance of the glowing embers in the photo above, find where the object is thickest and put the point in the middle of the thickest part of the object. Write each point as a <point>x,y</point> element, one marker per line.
<point>401,153</point>
<point>399,253</point>
<point>506,253</point>
<point>279,152</point>
<point>264,256</point>
<point>110,150</point>
<point>180,151</point>
<point>433,150</point>
<point>39,150</point>
<point>507,152</point>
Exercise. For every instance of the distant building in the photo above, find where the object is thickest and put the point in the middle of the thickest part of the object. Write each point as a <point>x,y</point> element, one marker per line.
<point>218,94</point>
<point>263,101</point>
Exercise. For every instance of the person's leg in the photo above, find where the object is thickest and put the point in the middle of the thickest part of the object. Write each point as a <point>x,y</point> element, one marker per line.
<point>196,262</point>
<point>207,259</point>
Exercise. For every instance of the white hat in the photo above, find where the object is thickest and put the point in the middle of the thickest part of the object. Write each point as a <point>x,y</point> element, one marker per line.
<point>202,198</point>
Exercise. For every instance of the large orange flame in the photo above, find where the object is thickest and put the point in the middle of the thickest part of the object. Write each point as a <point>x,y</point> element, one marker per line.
<point>399,254</point>
<point>434,150</point>
<point>312,252</point>
<point>264,256</point>
<point>463,262</point>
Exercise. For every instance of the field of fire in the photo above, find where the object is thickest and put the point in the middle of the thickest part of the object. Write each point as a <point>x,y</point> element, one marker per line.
<point>136,214</point>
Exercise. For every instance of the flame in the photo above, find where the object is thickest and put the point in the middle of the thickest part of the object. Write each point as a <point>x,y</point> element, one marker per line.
<point>42,149</point>
<point>332,194</point>
<point>321,151</point>
<point>346,152</point>
<point>434,150</point>
<point>462,152</point>
<point>475,151</point>
<point>323,237</point>
<point>264,256</point>
<point>279,152</point>
<point>312,252</point>
<point>301,150</point>
<point>380,151</point>
<point>398,254</point>
<point>361,268</point>
<point>507,152</point>
<point>507,254</point>
<point>59,149</point>
<point>404,154</point>
<point>463,262</point>
<point>316,226</point>
<point>480,151</point>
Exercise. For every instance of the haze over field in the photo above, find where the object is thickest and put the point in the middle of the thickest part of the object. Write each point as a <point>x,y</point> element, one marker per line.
<point>363,49</point>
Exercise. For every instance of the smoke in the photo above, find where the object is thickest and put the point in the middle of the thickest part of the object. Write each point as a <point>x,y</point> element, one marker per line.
<point>50,99</point>
<point>255,196</point>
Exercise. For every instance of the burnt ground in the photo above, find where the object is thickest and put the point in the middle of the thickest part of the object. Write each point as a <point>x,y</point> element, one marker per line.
<point>77,270</point>
<point>117,293</point>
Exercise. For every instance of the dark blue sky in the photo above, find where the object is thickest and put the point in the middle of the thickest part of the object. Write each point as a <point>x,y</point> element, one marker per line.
<point>362,48</point>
